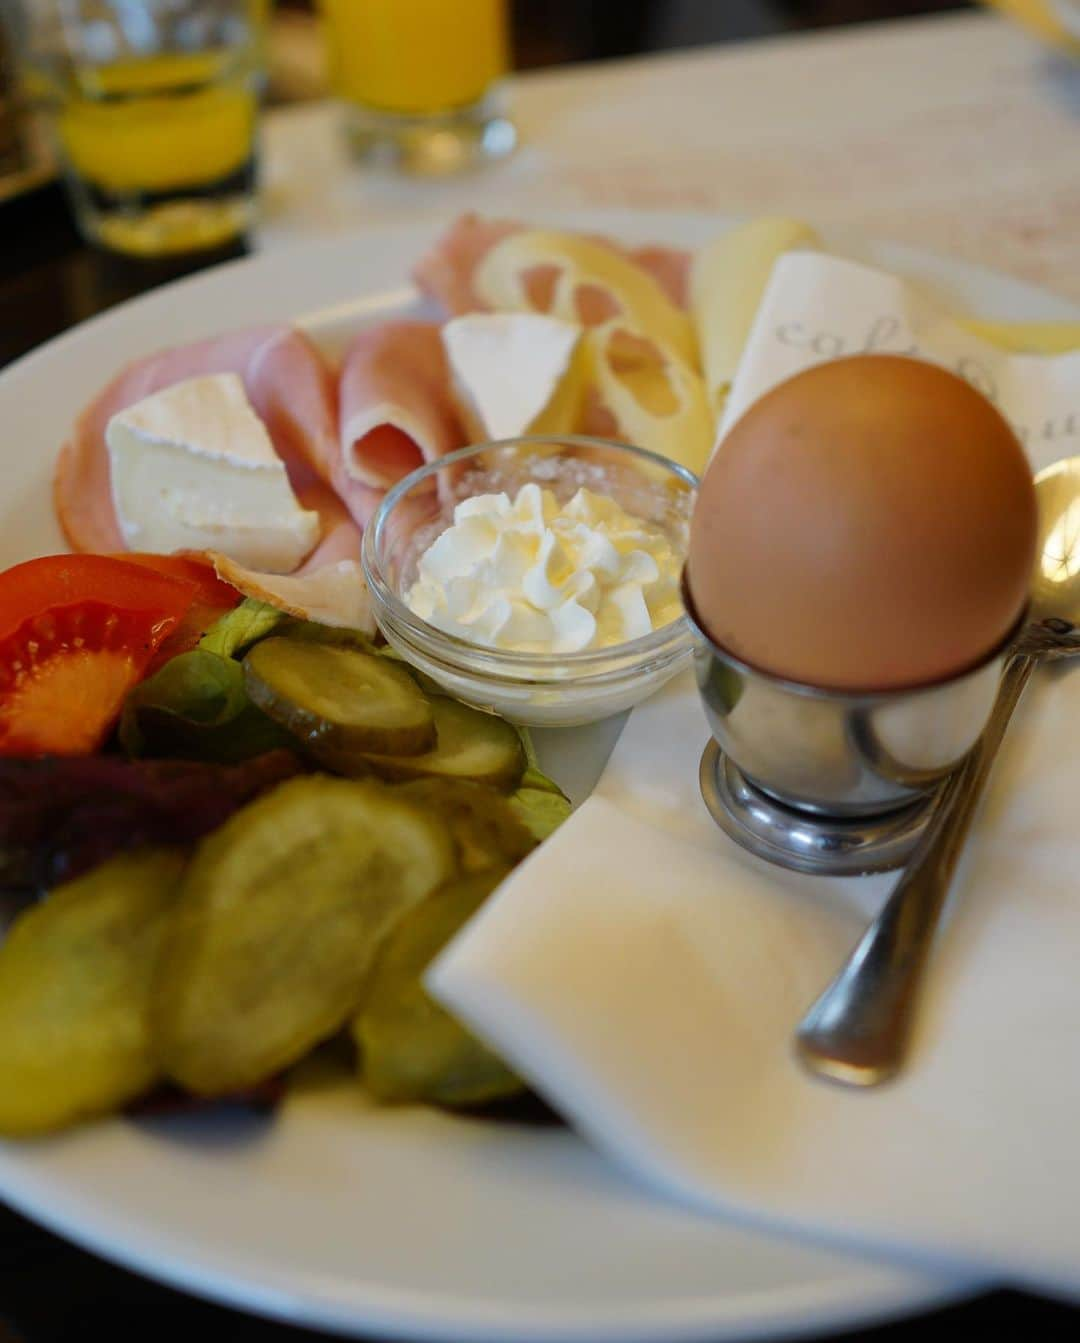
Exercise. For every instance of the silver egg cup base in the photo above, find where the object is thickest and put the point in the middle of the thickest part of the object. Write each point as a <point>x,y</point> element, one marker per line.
<point>804,841</point>
<point>831,782</point>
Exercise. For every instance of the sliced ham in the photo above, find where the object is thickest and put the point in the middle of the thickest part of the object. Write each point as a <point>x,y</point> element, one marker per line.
<point>395,407</point>
<point>669,266</point>
<point>333,594</point>
<point>445,273</point>
<point>295,394</point>
<point>287,381</point>
<point>446,270</point>
<point>341,528</point>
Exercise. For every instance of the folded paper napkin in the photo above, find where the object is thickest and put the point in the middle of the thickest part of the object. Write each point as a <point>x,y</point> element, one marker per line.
<point>646,975</point>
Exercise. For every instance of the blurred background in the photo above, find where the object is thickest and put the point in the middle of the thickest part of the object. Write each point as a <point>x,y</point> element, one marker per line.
<point>158,130</point>
<point>552,32</point>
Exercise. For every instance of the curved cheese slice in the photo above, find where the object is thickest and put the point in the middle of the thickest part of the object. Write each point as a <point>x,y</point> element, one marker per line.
<point>514,373</point>
<point>727,279</point>
<point>1026,337</point>
<point>581,281</point>
<point>447,269</point>
<point>639,393</point>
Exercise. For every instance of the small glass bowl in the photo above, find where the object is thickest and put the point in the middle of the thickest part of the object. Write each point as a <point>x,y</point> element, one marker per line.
<point>541,690</point>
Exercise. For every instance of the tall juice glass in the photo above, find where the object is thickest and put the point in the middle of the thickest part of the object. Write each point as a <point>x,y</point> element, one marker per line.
<point>419,79</point>
<point>154,109</point>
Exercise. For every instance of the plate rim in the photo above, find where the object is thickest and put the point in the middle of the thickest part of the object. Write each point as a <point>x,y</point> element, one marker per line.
<point>428,1317</point>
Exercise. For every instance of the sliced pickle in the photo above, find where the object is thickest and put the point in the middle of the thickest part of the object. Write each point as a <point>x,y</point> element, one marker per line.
<point>411,1049</point>
<point>470,745</point>
<point>76,976</point>
<point>486,830</point>
<point>280,914</point>
<point>312,632</point>
<point>339,698</point>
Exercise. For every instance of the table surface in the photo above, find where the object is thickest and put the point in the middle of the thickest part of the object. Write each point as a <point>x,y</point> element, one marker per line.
<point>958,133</point>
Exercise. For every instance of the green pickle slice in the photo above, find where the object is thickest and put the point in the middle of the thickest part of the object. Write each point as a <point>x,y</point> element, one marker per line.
<point>411,1048</point>
<point>280,915</point>
<point>339,698</point>
<point>76,980</point>
<point>486,830</point>
<point>470,744</point>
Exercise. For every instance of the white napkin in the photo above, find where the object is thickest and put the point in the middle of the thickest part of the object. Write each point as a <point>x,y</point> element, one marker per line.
<point>646,975</point>
<point>818,307</point>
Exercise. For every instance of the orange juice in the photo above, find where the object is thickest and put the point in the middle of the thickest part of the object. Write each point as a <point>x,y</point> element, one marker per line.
<point>154,120</point>
<point>159,150</point>
<point>415,56</point>
<point>158,124</point>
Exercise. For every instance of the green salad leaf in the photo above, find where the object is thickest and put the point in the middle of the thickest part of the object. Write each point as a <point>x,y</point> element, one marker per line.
<point>538,801</point>
<point>236,631</point>
<point>196,707</point>
<point>541,810</point>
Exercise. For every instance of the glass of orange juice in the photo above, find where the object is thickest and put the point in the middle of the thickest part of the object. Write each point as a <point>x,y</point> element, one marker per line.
<point>420,79</point>
<point>154,109</point>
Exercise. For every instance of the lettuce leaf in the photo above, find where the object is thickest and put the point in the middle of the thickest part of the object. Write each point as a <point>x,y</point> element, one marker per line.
<point>196,707</point>
<point>236,631</point>
<point>542,810</point>
<point>538,801</point>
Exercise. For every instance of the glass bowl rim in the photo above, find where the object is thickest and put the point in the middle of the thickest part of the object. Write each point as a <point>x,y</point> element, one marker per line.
<point>646,645</point>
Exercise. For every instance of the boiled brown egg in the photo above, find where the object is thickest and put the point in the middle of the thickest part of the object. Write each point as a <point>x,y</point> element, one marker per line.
<point>868,524</point>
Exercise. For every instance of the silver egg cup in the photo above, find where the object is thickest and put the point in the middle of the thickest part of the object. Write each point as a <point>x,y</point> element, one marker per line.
<point>826,781</point>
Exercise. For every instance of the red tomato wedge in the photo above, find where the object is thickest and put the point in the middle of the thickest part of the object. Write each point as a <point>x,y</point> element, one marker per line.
<point>213,599</point>
<point>76,633</point>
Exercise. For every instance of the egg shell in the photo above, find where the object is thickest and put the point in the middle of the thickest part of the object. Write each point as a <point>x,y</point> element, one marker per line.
<point>869,524</point>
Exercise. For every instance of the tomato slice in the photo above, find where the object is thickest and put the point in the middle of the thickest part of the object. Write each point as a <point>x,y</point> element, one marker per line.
<point>213,599</point>
<point>210,589</point>
<point>76,633</point>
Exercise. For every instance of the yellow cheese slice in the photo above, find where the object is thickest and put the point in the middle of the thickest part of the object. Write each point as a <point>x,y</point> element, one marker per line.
<point>581,281</point>
<point>1026,337</point>
<point>727,281</point>
<point>655,400</point>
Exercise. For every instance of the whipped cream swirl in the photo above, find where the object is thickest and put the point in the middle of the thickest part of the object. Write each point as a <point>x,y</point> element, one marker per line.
<point>532,576</point>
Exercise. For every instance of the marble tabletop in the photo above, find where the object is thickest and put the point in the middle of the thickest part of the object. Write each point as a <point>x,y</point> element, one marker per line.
<point>958,133</point>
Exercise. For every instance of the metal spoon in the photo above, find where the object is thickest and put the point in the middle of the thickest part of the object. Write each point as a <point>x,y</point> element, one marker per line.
<point>858,1030</point>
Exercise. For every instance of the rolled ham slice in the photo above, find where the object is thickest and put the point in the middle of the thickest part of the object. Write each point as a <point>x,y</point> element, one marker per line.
<point>395,407</point>
<point>445,273</point>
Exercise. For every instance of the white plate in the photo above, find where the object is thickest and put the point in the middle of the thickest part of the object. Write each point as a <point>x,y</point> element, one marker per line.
<point>412,1223</point>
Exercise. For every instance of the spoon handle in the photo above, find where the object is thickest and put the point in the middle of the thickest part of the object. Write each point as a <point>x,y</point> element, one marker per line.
<point>857,1032</point>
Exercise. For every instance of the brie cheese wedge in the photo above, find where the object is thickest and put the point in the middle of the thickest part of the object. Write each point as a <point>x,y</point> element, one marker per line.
<point>514,373</point>
<point>193,468</point>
